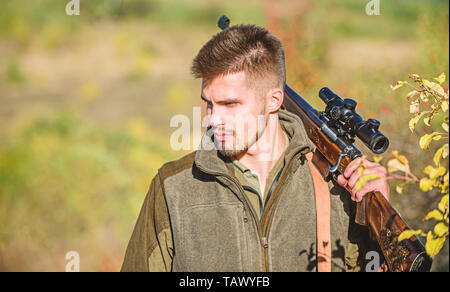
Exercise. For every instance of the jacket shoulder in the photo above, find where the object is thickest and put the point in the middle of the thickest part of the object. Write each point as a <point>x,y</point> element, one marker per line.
<point>174,167</point>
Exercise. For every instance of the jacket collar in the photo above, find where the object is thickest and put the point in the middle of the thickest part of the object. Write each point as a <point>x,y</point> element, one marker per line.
<point>209,160</point>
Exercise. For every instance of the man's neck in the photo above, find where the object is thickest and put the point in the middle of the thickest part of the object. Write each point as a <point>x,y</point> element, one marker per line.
<point>262,156</point>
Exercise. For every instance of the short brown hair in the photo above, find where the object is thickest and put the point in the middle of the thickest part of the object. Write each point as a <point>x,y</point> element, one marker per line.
<point>242,48</point>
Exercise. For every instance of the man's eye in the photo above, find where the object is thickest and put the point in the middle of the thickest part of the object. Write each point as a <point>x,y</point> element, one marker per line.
<point>231,104</point>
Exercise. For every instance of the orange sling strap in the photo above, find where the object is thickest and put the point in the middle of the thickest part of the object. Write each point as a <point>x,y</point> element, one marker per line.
<point>322,194</point>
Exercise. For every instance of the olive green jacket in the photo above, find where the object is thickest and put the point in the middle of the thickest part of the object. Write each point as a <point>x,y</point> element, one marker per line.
<point>196,217</point>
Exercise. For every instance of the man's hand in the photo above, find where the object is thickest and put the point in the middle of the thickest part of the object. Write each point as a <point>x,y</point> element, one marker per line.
<point>352,175</point>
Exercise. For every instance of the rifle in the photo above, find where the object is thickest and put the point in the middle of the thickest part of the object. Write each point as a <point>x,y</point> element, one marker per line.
<point>333,132</point>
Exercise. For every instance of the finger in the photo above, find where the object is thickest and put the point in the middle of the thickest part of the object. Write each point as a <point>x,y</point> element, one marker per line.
<point>373,170</point>
<point>342,181</point>
<point>352,166</point>
<point>355,176</point>
<point>368,163</point>
<point>373,186</point>
<point>381,179</point>
<point>355,164</point>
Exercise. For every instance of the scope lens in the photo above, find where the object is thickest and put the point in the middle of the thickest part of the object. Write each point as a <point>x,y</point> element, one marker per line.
<point>379,144</point>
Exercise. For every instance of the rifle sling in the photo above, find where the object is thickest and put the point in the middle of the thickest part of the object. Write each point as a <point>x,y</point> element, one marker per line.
<point>322,194</point>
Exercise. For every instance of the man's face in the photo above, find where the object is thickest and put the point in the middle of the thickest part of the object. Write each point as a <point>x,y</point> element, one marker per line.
<point>236,113</point>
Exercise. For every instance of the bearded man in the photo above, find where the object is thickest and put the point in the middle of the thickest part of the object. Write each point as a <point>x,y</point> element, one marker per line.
<point>245,200</point>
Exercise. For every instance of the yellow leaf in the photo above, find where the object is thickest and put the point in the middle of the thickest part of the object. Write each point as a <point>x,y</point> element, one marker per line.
<point>428,169</point>
<point>397,85</point>
<point>443,204</point>
<point>433,245</point>
<point>413,122</point>
<point>438,155</point>
<point>406,234</point>
<point>365,179</point>
<point>434,214</point>
<point>444,189</point>
<point>445,153</point>
<point>434,86</point>
<point>444,106</point>
<point>426,184</point>
<point>437,172</point>
<point>377,158</point>
<point>399,188</point>
<point>440,229</point>
<point>427,83</point>
<point>414,108</point>
<point>445,126</point>
<point>412,95</point>
<point>425,140</point>
<point>401,158</point>
<point>441,78</point>
<point>427,120</point>
<point>395,165</point>
<point>424,96</point>
<point>361,170</point>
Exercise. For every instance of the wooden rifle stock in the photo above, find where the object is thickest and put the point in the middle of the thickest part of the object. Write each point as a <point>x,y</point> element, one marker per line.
<point>374,210</point>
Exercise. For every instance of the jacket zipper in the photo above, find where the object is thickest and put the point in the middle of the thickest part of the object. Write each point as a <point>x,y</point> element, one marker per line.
<point>268,224</point>
<point>262,240</point>
<point>247,188</point>
<point>263,236</point>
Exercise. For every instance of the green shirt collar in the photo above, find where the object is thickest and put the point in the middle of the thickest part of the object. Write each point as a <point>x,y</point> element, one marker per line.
<point>246,177</point>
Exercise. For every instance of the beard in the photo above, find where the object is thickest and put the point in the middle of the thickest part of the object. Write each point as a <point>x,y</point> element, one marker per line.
<point>234,147</point>
<point>230,152</point>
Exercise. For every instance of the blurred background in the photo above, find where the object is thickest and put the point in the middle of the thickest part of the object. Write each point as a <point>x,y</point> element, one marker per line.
<point>86,102</point>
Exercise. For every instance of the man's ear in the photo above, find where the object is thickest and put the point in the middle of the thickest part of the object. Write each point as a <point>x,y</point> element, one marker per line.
<point>275,100</point>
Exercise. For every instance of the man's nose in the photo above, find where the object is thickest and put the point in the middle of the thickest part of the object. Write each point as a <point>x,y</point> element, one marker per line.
<point>216,119</point>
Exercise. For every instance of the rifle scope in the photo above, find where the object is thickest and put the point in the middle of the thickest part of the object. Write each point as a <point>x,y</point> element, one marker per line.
<point>351,124</point>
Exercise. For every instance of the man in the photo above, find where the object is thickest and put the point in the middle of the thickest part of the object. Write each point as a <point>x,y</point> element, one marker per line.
<point>245,200</point>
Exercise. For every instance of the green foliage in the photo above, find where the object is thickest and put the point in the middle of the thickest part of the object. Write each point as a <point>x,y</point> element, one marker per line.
<point>47,18</point>
<point>62,179</point>
<point>13,73</point>
<point>394,21</point>
<point>428,100</point>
